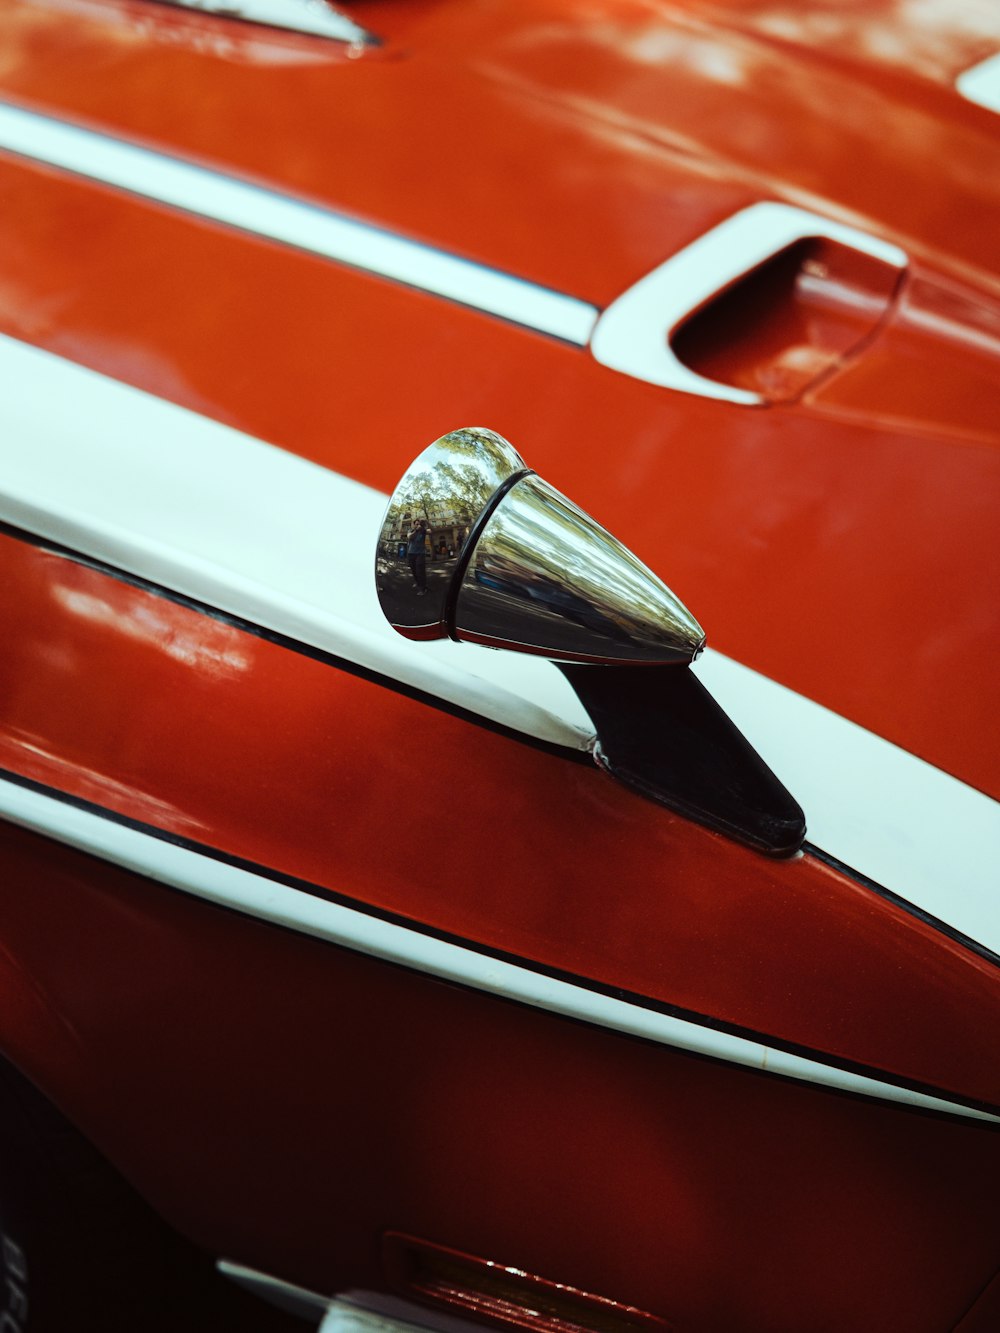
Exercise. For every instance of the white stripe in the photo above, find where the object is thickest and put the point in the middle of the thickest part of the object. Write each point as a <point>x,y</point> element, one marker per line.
<point>370,1312</point>
<point>278,217</point>
<point>260,897</point>
<point>907,825</point>
<point>981,83</point>
<point>352,1311</point>
<point>184,501</point>
<point>315,17</point>
<point>295,1300</point>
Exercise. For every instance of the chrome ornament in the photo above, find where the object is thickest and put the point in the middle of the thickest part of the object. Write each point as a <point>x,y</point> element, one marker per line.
<point>476,546</point>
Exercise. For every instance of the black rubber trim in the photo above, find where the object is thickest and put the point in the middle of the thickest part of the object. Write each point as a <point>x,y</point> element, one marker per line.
<point>635,998</point>
<point>455,587</point>
<point>662,733</point>
<point>291,644</point>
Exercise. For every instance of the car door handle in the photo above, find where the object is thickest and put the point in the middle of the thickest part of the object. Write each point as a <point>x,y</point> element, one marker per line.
<point>636,333</point>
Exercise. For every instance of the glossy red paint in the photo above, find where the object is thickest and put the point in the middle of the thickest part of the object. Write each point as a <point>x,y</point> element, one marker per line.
<point>289,1102</point>
<point>789,535</point>
<point>304,1100</point>
<point>933,367</point>
<point>791,322</point>
<point>816,524</point>
<point>875,42</point>
<point>294,765</point>
<point>678,119</point>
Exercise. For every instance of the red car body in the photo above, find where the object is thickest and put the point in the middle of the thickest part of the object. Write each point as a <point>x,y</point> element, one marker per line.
<point>288,1102</point>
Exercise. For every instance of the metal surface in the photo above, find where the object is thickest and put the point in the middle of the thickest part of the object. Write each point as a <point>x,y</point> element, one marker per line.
<point>430,517</point>
<point>545,578</point>
<point>475,546</point>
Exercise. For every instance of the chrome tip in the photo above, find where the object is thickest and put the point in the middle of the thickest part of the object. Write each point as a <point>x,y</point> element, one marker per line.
<point>475,546</point>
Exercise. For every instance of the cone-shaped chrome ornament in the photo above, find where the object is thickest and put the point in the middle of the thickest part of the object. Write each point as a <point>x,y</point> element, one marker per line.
<point>476,546</point>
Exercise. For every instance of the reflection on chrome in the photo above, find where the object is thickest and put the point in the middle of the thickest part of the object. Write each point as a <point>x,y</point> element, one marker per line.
<point>546,578</point>
<point>433,511</point>
<point>476,546</point>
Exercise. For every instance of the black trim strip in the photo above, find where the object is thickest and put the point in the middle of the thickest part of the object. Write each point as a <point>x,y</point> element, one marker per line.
<point>634,998</point>
<point>442,705</point>
<point>466,553</point>
<point>911,909</point>
<point>292,645</point>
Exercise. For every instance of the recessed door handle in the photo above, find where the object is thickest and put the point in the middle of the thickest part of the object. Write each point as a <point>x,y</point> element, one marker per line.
<point>634,334</point>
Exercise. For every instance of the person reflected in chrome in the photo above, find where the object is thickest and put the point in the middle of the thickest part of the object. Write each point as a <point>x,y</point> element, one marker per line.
<point>416,553</point>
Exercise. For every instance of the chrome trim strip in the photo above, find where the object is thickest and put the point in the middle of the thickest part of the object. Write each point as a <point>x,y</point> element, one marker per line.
<point>314,18</point>
<point>279,217</point>
<point>257,896</point>
<point>633,333</point>
<point>981,83</point>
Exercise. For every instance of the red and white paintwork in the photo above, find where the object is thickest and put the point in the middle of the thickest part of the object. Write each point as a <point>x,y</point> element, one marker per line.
<point>290,1098</point>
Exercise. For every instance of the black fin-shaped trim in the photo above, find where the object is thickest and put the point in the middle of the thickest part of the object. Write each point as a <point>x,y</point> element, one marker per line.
<point>661,732</point>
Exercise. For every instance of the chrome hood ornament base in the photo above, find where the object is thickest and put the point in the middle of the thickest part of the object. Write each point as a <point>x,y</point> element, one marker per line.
<point>476,546</point>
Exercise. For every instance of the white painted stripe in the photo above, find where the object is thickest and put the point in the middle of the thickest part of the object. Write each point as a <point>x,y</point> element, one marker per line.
<point>314,17</point>
<point>981,83</point>
<point>210,194</point>
<point>912,828</point>
<point>257,896</point>
<point>183,501</point>
<point>352,1311</point>
<point>633,333</point>
<point>282,1295</point>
